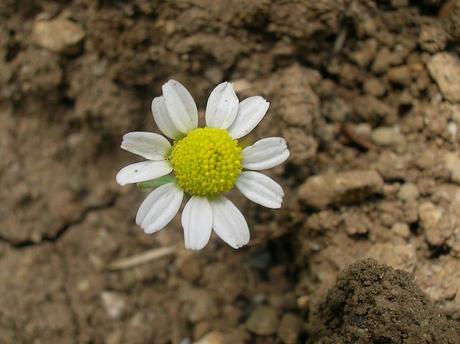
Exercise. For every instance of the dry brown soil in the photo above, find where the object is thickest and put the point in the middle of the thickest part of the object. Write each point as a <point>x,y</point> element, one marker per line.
<point>367,94</point>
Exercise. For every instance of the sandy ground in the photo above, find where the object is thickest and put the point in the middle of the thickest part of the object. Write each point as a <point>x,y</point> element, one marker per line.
<point>367,94</point>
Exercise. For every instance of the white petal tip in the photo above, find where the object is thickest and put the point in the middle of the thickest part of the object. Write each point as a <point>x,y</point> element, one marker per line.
<point>273,206</point>
<point>229,224</point>
<point>194,248</point>
<point>197,223</point>
<point>260,189</point>
<point>241,245</point>
<point>119,180</point>
<point>222,106</point>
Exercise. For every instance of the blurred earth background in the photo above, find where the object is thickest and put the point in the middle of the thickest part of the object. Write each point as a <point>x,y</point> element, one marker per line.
<point>367,94</point>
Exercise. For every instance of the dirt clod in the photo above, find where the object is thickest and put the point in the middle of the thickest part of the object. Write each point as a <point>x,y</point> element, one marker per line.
<point>290,328</point>
<point>58,35</point>
<point>445,70</point>
<point>341,188</point>
<point>408,192</point>
<point>372,303</point>
<point>263,321</point>
<point>389,137</point>
<point>436,225</point>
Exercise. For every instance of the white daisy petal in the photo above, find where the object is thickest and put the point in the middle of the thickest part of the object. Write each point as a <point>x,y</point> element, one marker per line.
<point>260,189</point>
<point>197,223</point>
<point>162,118</point>
<point>159,208</point>
<point>181,106</point>
<point>228,222</point>
<point>143,171</point>
<point>146,204</point>
<point>148,145</point>
<point>222,106</point>
<point>265,153</point>
<point>250,113</point>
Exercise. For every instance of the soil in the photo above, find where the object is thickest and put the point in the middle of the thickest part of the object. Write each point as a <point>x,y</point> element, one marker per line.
<point>372,303</point>
<point>366,94</point>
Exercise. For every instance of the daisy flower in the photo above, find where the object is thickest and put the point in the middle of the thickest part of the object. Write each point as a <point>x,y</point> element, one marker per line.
<point>205,162</point>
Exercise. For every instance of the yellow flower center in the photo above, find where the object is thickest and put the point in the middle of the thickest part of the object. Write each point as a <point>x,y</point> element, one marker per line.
<point>206,162</point>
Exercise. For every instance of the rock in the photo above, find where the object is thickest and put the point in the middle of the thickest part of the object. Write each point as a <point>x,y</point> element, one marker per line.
<point>302,148</point>
<point>440,280</point>
<point>224,282</point>
<point>359,134</point>
<point>199,304</point>
<point>114,304</point>
<point>58,35</point>
<point>388,137</point>
<point>401,75</point>
<point>303,302</point>
<point>323,221</point>
<point>408,192</point>
<point>448,196</point>
<point>263,321</point>
<point>398,256</point>
<point>428,158</point>
<point>340,188</point>
<point>450,12</point>
<point>444,68</point>
<point>382,60</point>
<point>432,38</point>
<point>241,85</point>
<point>336,109</point>
<point>238,335</point>
<point>452,129</point>
<point>401,229</point>
<point>214,337</point>
<point>393,166</point>
<point>215,74</point>
<point>189,267</point>
<point>374,87</point>
<point>234,336</point>
<point>437,225</point>
<point>365,54</point>
<point>452,163</point>
<point>373,110</point>
<point>297,103</point>
<point>357,223</point>
<point>290,328</point>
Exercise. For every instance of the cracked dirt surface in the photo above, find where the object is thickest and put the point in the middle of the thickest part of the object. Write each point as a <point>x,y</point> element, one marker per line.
<point>365,93</point>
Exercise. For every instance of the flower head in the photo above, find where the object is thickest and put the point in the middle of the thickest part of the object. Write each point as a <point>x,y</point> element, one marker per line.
<point>206,163</point>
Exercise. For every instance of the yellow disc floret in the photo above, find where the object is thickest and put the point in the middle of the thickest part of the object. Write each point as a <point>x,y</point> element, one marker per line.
<point>206,162</point>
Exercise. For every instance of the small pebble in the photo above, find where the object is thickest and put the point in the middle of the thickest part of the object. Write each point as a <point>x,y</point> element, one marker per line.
<point>408,192</point>
<point>263,321</point>
<point>452,164</point>
<point>444,68</point>
<point>387,137</point>
<point>58,35</point>
<point>401,229</point>
<point>341,188</point>
<point>214,337</point>
<point>114,304</point>
<point>290,328</point>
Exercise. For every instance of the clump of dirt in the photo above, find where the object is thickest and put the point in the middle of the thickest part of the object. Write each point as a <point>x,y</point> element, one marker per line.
<point>373,303</point>
<point>366,94</point>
